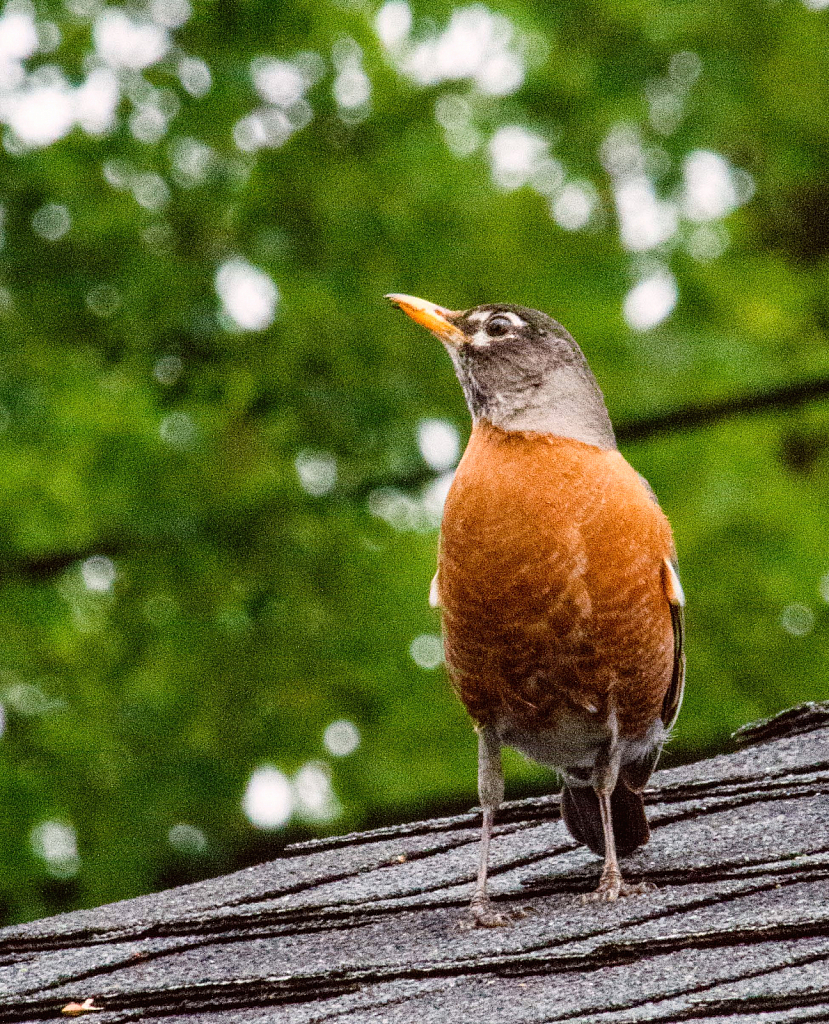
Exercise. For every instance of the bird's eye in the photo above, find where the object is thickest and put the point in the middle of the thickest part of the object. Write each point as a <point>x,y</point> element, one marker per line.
<point>498,325</point>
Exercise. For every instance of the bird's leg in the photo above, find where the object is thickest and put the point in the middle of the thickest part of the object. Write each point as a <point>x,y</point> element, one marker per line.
<point>611,884</point>
<point>491,794</point>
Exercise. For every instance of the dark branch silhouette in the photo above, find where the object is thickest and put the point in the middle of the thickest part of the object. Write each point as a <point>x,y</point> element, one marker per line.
<point>673,421</point>
<point>705,414</point>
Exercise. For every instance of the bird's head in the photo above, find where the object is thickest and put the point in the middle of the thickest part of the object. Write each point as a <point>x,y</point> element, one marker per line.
<point>519,369</point>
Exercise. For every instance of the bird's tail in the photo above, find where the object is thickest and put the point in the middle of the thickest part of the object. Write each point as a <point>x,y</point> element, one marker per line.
<point>580,811</point>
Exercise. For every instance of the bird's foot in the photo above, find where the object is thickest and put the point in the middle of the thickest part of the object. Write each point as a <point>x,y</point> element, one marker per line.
<point>482,914</point>
<point>613,887</point>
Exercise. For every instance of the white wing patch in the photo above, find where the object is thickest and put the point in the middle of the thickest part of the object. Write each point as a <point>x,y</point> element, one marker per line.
<point>673,588</point>
<point>434,593</point>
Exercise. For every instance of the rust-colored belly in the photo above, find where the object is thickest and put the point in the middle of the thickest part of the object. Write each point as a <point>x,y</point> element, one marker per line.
<point>550,576</point>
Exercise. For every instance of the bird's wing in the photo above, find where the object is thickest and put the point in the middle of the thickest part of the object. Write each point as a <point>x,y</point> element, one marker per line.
<point>434,593</point>
<point>635,774</point>
<point>676,600</point>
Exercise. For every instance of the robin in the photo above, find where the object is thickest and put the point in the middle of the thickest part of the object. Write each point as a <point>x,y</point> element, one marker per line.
<point>558,585</point>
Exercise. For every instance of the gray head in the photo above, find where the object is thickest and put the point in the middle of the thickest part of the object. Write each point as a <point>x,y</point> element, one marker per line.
<point>519,369</point>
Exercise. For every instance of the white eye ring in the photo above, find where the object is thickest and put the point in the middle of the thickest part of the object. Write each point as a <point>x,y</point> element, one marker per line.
<point>498,325</point>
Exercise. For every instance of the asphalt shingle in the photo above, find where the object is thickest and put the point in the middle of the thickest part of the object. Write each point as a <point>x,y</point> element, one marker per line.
<point>365,927</point>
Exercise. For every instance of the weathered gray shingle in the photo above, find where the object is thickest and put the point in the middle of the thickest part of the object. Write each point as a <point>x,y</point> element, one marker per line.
<point>364,927</point>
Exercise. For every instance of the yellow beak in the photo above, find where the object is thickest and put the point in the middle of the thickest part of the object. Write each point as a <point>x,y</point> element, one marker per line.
<point>433,318</point>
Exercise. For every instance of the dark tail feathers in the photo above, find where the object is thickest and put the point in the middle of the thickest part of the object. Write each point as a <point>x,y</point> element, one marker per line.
<point>580,810</point>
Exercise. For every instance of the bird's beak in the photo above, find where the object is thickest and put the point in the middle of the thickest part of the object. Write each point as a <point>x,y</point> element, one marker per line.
<point>434,318</point>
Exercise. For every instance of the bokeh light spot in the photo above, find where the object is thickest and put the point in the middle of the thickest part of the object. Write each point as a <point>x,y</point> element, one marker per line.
<point>103,300</point>
<point>194,75</point>
<point>170,13</point>
<point>401,511</point>
<point>150,190</point>
<point>18,34</point>
<point>709,191</point>
<point>515,153</point>
<point>651,301</point>
<point>707,242</point>
<point>439,443</point>
<point>56,844</point>
<point>167,370</point>
<point>30,700</point>
<point>187,839</point>
<point>351,88</point>
<point>314,797</point>
<point>317,472</point>
<point>797,619</point>
<point>341,738</point>
<point>268,801</point>
<point>393,23</point>
<point>477,45</point>
<point>278,81</point>
<point>124,42</point>
<point>426,651</point>
<point>573,207</point>
<point>248,294</point>
<point>434,496</point>
<point>51,221</point>
<point>178,430</point>
<point>98,573</point>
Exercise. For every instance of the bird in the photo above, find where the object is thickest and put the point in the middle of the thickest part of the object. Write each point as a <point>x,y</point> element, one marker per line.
<point>557,580</point>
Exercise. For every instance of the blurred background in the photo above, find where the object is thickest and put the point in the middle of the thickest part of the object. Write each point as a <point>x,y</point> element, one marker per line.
<point>223,456</point>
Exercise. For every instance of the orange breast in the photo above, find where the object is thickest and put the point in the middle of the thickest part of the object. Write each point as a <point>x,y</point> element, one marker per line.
<point>550,575</point>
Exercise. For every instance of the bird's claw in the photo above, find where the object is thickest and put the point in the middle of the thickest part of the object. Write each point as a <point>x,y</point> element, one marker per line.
<point>482,914</point>
<point>613,887</point>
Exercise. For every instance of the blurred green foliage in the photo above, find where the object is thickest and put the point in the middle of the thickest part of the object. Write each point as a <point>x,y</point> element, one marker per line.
<point>177,608</point>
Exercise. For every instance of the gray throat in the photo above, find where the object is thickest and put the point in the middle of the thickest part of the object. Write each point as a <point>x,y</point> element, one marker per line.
<point>567,403</point>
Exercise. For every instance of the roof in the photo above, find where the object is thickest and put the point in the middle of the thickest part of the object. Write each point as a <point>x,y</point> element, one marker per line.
<point>364,927</point>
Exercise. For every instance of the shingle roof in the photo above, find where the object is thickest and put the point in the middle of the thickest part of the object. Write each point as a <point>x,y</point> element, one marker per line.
<point>364,927</point>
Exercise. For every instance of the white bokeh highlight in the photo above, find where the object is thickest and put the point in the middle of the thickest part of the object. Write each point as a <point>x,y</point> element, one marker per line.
<point>282,86</point>
<point>645,221</point>
<point>433,496</point>
<point>477,45</point>
<point>651,301</point>
<point>167,370</point>
<point>314,798</point>
<point>351,86</point>
<point>393,23</point>
<point>268,801</point>
<point>56,844</point>
<point>317,472</point>
<point>439,442</point>
<point>426,651</point>
<point>51,221</point>
<point>178,430</point>
<point>98,573</point>
<point>515,154</point>
<point>124,42</point>
<point>341,738</point>
<point>709,190</point>
<point>187,839</point>
<point>572,208</point>
<point>248,295</point>
<point>797,619</point>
